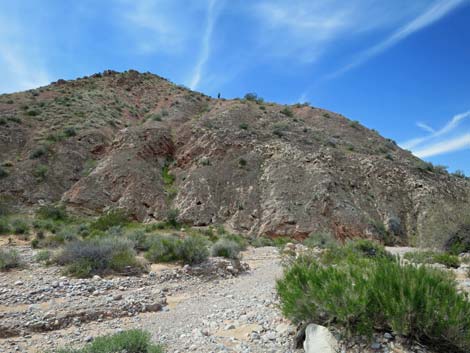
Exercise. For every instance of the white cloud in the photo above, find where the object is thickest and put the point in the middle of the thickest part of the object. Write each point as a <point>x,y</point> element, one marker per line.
<point>434,13</point>
<point>307,29</point>
<point>443,140</point>
<point>425,127</point>
<point>446,146</point>
<point>206,45</point>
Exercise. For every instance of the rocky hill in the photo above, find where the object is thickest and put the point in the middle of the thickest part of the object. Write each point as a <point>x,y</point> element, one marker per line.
<point>138,142</point>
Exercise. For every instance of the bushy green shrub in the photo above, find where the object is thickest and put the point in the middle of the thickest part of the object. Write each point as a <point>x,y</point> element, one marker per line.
<point>432,257</point>
<point>191,250</point>
<point>9,259</point>
<point>287,112</point>
<point>43,256</point>
<point>194,250</point>
<point>172,218</point>
<point>84,258</point>
<point>113,218</point>
<point>362,293</point>
<point>226,248</point>
<point>163,249</point>
<point>3,172</point>
<point>38,152</point>
<point>56,213</point>
<point>19,226</point>
<point>131,341</point>
<point>4,226</point>
<point>241,241</point>
<point>140,240</point>
<point>40,172</point>
<point>70,131</point>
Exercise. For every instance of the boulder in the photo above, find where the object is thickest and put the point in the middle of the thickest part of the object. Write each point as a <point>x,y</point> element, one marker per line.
<point>318,339</point>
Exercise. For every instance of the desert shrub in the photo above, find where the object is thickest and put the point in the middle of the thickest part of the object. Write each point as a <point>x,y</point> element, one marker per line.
<point>287,112</point>
<point>38,152</point>
<point>113,218</point>
<point>243,126</point>
<point>459,241</point>
<point>191,250</point>
<point>241,241</point>
<point>43,256</point>
<point>9,259</point>
<point>3,172</point>
<point>432,257</point>
<point>321,240</point>
<point>194,250</point>
<point>280,242</point>
<point>56,213</point>
<point>84,258</point>
<point>115,231</point>
<point>242,162</point>
<point>18,226</point>
<point>4,226</point>
<point>46,224</point>
<point>361,294</point>
<point>226,248</point>
<point>253,97</point>
<point>353,249</point>
<point>70,131</point>
<point>172,217</point>
<point>131,341</point>
<point>140,240</point>
<point>163,249</point>
<point>40,171</point>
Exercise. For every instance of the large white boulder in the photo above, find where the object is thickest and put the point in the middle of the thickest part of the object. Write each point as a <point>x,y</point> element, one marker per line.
<point>318,339</point>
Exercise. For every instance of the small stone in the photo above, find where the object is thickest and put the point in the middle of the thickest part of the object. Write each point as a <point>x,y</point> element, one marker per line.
<point>388,336</point>
<point>376,346</point>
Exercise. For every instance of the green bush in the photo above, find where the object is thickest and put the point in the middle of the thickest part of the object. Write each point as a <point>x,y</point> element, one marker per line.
<point>70,131</point>
<point>432,257</point>
<point>131,341</point>
<point>4,226</point>
<point>113,218</point>
<point>85,258</point>
<point>9,259</point>
<point>40,172</point>
<point>163,249</point>
<point>362,293</point>
<point>140,240</point>
<point>19,226</point>
<point>172,218</point>
<point>287,112</point>
<point>43,256</point>
<point>38,152</point>
<point>3,172</point>
<point>194,249</point>
<point>226,248</point>
<point>56,213</point>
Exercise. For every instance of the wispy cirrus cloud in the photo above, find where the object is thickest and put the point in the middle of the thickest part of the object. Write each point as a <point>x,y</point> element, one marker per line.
<point>435,12</point>
<point>205,46</point>
<point>445,140</point>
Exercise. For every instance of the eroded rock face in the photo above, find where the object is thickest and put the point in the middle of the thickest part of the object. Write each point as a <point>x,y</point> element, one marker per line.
<point>252,167</point>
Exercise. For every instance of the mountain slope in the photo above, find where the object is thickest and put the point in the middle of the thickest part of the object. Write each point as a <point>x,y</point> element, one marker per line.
<point>138,142</point>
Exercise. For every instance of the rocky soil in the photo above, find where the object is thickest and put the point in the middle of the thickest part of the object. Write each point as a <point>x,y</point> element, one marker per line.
<point>217,307</point>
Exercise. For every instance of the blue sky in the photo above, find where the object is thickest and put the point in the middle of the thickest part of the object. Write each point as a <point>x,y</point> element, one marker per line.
<point>401,67</point>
